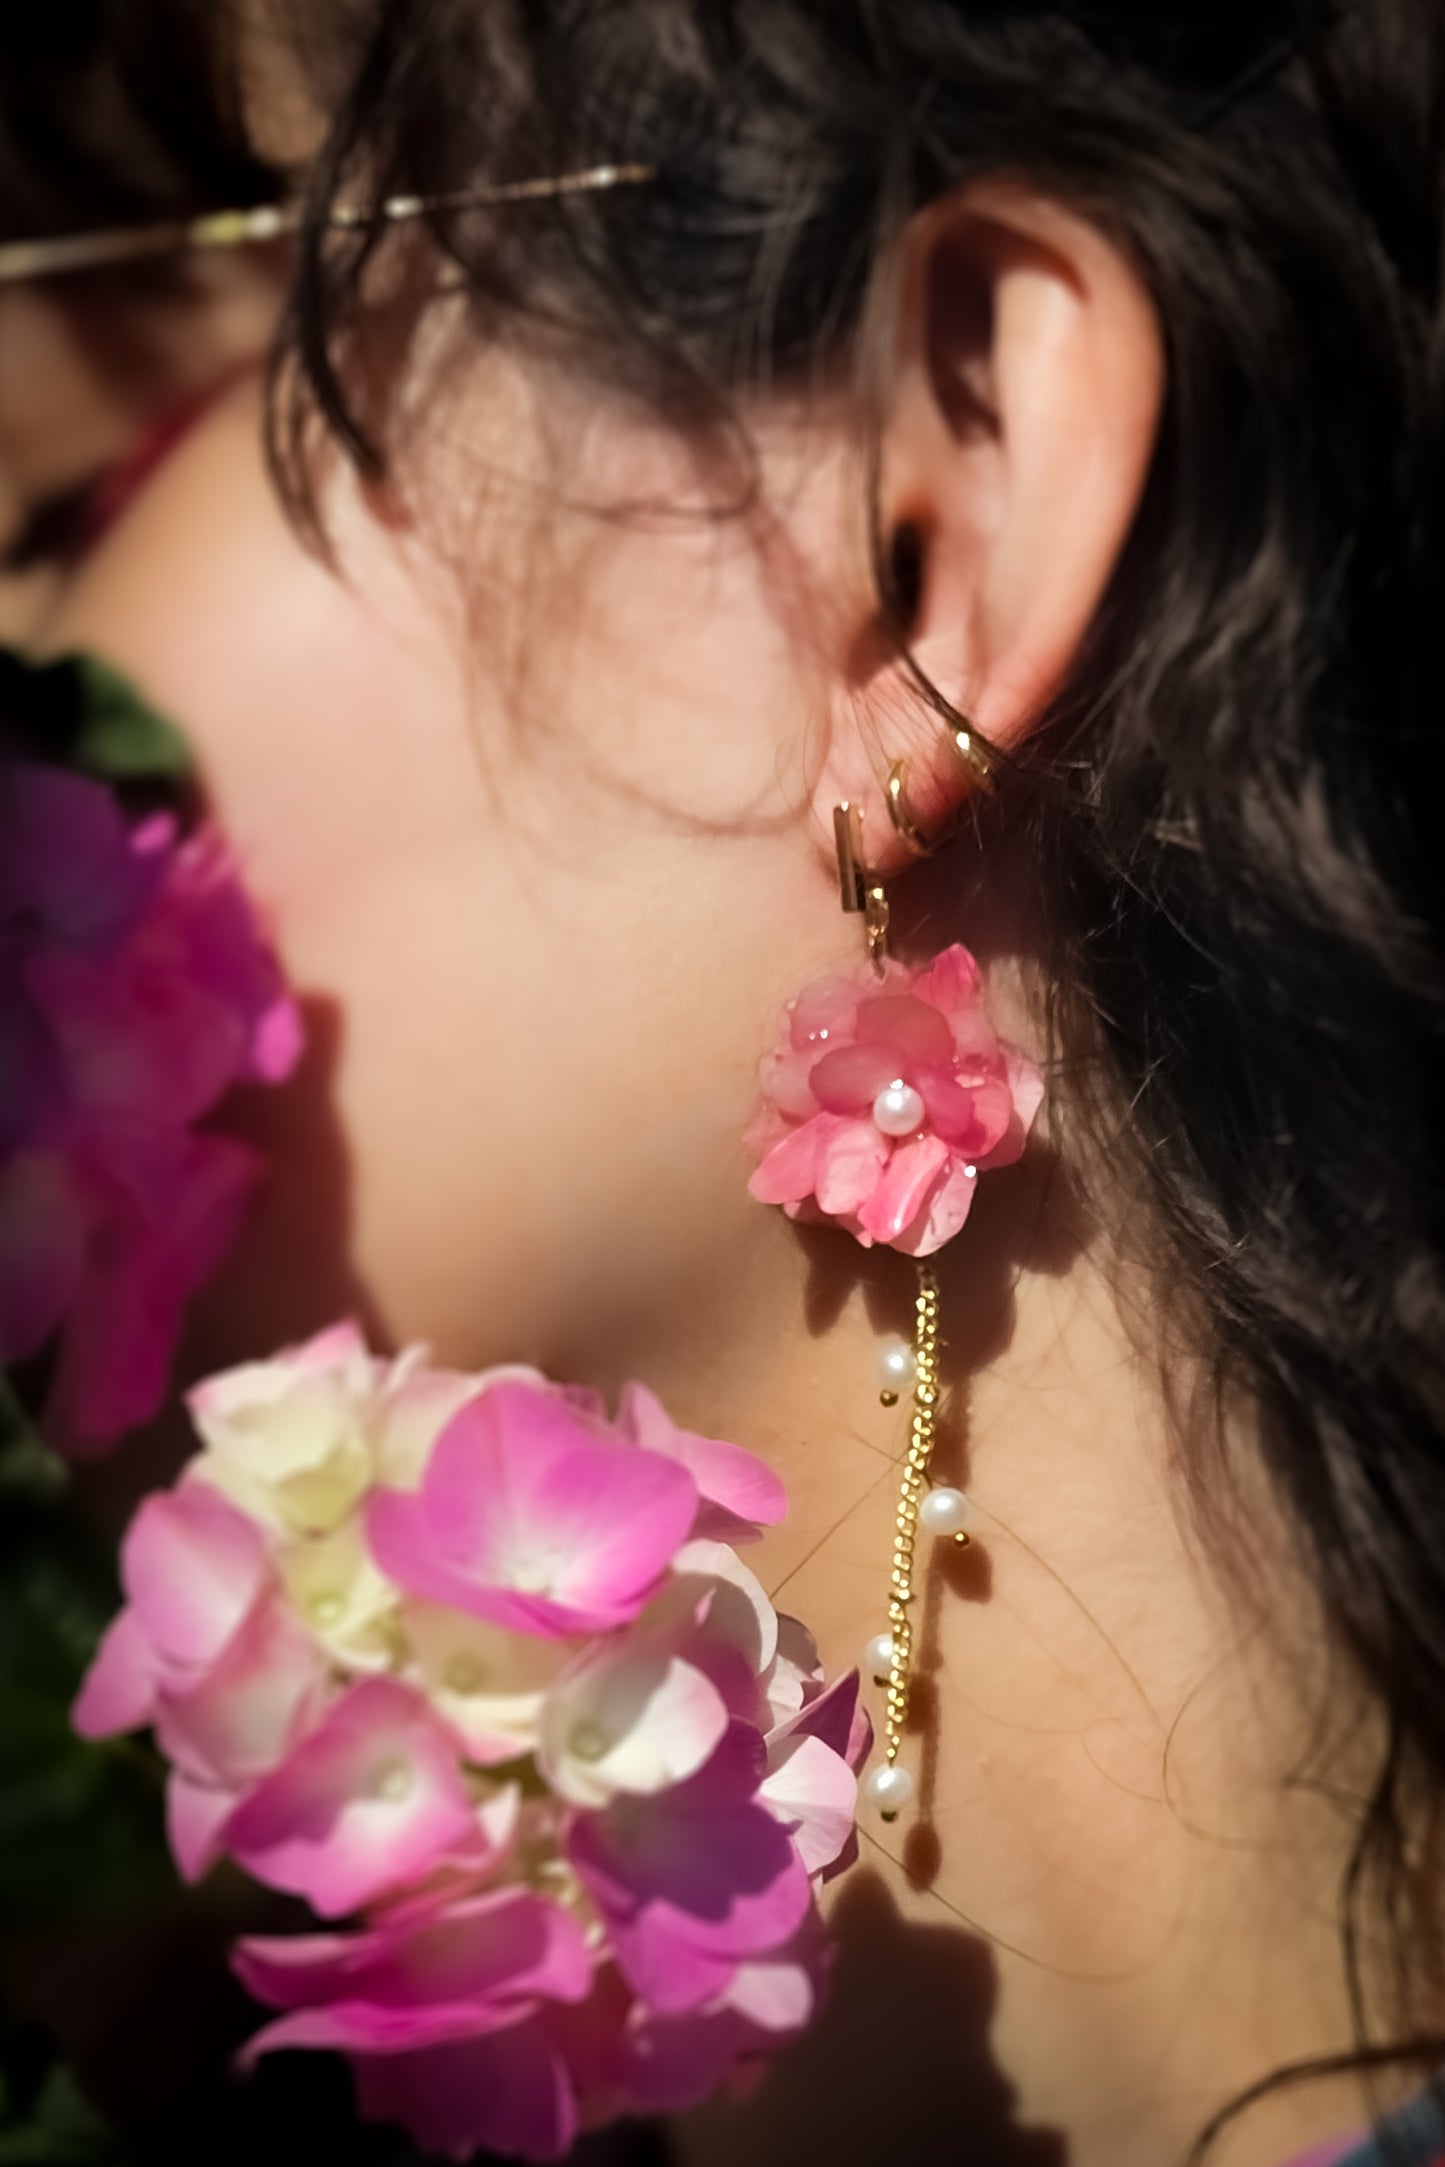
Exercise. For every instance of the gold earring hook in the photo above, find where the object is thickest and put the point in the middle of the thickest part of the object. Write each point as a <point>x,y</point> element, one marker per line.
<point>858,889</point>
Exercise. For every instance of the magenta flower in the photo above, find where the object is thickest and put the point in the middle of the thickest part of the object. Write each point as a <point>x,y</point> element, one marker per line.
<point>885,1101</point>
<point>694,1880</point>
<point>369,1798</point>
<point>135,991</point>
<point>444,2019</point>
<point>535,1516</point>
<point>464,1657</point>
<point>209,1654</point>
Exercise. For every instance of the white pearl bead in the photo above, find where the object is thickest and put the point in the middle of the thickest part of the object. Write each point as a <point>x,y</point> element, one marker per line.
<point>898,1110</point>
<point>888,1789</point>
<point>943,1512</point>
<point>897,1366</point>
<point>878,1655</point>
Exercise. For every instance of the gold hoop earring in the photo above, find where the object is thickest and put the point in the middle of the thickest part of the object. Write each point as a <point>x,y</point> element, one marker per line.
<point>904,825</point>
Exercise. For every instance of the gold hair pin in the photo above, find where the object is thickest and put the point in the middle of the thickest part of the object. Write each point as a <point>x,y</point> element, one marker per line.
<point>60,253</point>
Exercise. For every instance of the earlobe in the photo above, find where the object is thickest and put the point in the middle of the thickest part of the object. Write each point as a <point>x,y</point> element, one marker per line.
<point>1015,447</point>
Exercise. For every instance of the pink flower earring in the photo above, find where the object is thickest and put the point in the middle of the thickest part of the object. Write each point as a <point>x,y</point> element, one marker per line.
<point>886,1096</point>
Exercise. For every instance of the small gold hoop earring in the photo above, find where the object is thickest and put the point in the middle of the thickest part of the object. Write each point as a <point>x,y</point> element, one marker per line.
<point>904,825</point>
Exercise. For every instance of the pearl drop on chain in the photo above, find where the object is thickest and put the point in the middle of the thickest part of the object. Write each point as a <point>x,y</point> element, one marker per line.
<point>943,1512</point>
<point>897,1371</point>
<point>878,1655</point>
<point>898,1110</point>
<point>888,1789</point>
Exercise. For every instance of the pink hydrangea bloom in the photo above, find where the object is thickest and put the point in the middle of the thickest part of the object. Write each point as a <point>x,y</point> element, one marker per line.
<point>466,1662</point>
<point>135,991</point>
<point>885,1100</point>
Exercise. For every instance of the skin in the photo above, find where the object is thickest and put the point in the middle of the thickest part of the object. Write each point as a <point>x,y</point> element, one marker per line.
<point>545,848</point>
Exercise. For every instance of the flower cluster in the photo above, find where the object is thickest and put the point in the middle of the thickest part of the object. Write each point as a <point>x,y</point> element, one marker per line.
<point>885,1100</point>
<point>135,991</point>
<point>478,1673</point>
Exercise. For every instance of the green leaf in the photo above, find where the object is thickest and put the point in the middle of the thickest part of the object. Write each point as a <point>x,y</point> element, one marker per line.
<point>121,737</point>
<point>82,712</point>
<point>59,2128</point>
<point>81,1824</point>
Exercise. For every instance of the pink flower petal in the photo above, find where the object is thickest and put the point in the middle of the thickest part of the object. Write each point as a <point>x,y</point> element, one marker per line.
<point>628,1716</point>
<point>848,1080</point>
<point>951,982</point>
<point>739,1493</point>
<point>944,1213</point>
<point>693,1880</point>
<point>505,1947</point>
<point>852,1157</point>
<point>143,1265</point>
<point>905,1026</point>
<point>814,1794</point>
<point>969,1116</point>
<point>789,1172</point>
<point>507,2094</point>
<point>243,1714</point>
<point>118,1691</point>
<point>371,1797</point>
<point>1027,1088</point>
<point>193,1567</point>
<point>823,1013</point>
<point>195,1817</point>
<point>901,1194</point>
<point>533,1516</point>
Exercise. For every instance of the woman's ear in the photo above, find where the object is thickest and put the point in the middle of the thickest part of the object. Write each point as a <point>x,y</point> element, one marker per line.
<point>1016,439</point>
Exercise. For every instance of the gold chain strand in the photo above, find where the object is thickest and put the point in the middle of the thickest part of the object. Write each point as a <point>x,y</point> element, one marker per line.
<point>905,1529</point>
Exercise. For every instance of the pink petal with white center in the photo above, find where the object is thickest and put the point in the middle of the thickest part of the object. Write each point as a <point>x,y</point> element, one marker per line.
<point>118,1691</point>
<point>814,1794</point>
<point>193,1568</point>
<point>486,1684</point>
<point>739,1493</point>
<point>777,1997</point>
<point>533,1516</point>
<point>628,1716</point>
<point>904,1190</point>
<point>195,1817</point>
<point>371,1797</point>
<point>236,1722</point>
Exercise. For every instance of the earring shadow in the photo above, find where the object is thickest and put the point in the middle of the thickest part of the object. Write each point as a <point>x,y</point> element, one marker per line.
<point>898,2067</point>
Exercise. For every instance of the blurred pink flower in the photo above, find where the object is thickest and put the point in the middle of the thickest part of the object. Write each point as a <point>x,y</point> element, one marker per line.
<point>532,1514</point>
<point>693,1881</point>
<point>444,2018</point>
<point>135,991</point>
<point>463,1656</point>
<point>209,1654</point>
<point>886,1099</point>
